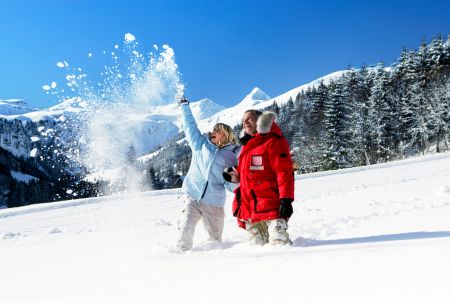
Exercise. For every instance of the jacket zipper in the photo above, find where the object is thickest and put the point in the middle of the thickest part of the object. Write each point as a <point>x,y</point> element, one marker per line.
<point>204,192</point>
<point>254,199</point>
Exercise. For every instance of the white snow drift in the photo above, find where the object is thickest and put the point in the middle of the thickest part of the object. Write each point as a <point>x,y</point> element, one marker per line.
<point>373,234</point>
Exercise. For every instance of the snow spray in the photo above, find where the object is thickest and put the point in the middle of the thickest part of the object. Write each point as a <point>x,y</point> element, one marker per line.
<point>108,123</point>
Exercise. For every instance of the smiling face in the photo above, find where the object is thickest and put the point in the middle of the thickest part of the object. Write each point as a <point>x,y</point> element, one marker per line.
<point>249,123</point>
<point>217,135</point>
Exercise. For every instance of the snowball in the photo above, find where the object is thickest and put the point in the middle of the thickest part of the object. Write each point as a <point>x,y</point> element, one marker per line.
<point>53,84</point>
<point>60,64</point>
<point>69,191</point>
<point>129,37</point>
<point>34,139</point>
<point>46,87</point>
<point>90,55</point>
<point>33,152</point>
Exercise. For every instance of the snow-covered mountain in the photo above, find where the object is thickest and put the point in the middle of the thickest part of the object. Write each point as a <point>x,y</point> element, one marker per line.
<point>205,108</point>
<point>233,115</point>
<point>15,107</point>
<point>372,234</point>
<point>258,99</point>
<point>151,126</point>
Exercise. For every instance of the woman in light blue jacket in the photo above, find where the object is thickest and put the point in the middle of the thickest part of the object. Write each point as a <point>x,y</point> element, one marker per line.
<point>204,185</point>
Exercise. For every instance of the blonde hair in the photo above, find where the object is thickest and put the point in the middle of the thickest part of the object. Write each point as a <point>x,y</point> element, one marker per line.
<point>229,136</point>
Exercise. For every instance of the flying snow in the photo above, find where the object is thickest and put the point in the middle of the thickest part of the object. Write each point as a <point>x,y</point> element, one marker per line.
<point>33,152</point>
<point>129,37</point>
<point>133,81</point>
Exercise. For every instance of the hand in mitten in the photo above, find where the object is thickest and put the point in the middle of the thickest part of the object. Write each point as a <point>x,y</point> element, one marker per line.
<point>286,208</point>
<point>230,174</point>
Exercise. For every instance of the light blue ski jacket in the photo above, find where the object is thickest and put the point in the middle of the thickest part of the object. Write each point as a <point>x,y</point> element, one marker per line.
<point>204,181</point>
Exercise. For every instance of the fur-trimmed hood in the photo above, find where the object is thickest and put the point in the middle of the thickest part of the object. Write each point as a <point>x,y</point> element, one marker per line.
<point>264,125</point>
<point>265,122</point>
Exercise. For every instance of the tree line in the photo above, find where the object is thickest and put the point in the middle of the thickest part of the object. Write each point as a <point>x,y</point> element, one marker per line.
<point>373,114</point>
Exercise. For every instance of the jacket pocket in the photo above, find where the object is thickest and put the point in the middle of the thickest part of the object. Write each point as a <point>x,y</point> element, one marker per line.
<point>265,199</point>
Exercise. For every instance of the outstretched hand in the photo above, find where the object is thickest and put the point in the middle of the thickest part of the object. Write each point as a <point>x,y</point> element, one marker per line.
<point>183,100</point>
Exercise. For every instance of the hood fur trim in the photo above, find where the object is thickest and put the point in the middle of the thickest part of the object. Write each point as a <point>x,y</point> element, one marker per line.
<point>242,133</point>
<point>265,121</point>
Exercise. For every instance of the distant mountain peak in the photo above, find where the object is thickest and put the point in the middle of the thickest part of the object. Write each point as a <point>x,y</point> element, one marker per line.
<point>257,94</point>
<point>205,108</point>
<point>70,103</point>
<point>14,101</point>
<point>15,107</point>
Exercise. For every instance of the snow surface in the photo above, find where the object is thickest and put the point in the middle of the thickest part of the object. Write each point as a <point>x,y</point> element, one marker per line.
<point>374,234</point>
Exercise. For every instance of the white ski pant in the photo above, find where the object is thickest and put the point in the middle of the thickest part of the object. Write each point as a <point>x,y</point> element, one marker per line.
<point>213,218</point>
<point>270,231</point>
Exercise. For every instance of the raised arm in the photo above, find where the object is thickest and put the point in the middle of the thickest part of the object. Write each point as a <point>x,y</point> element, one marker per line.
<point>190,128</point>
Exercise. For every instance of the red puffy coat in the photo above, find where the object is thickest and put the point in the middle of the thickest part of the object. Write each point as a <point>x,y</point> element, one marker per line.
<point>266,175</point>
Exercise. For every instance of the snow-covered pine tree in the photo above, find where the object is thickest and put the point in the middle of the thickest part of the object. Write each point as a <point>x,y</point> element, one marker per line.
<point>437,91</point>
<point>338,126</point>
<point>419,101</point>
<point>381,118</point>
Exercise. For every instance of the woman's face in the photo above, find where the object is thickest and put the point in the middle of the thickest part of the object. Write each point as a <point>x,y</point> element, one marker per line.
<point>216,135</point>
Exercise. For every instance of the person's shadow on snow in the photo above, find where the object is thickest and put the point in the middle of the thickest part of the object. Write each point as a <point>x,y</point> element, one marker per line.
<point>302,242</point>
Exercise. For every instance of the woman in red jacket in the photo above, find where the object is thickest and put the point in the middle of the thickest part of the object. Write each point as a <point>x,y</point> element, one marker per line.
<point>263,200</point>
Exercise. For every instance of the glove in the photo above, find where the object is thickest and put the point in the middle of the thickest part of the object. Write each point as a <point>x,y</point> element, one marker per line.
<point>183,100</point>
<point>286,208</point>
<point>230,174</point>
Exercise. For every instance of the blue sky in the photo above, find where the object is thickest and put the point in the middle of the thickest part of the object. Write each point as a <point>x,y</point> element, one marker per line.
<point>223,48</point>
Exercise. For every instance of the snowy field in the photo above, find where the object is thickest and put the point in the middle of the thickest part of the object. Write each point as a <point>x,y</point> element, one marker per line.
<point>377,234</point>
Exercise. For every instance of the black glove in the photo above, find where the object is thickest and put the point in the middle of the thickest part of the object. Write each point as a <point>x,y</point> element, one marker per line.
<point>286,208</point>
<point>227,173</point>
<point>183,100</point>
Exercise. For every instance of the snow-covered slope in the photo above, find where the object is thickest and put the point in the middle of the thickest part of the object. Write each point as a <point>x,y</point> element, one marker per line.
<point>373,234</point>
